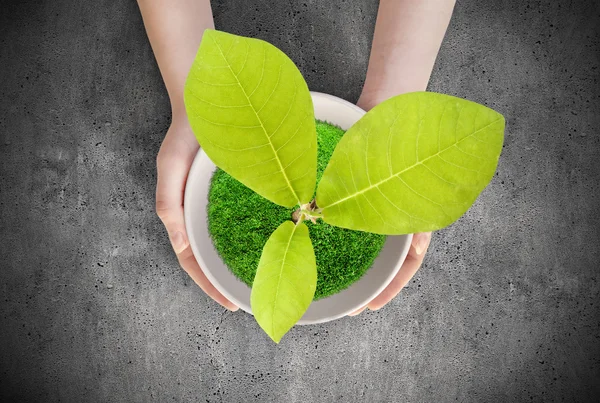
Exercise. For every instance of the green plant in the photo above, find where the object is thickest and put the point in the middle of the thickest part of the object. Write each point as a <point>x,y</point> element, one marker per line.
<point>414,163</point>
<point>240,221</point>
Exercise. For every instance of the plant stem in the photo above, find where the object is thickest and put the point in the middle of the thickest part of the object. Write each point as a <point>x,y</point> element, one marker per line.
<point>310,213</point>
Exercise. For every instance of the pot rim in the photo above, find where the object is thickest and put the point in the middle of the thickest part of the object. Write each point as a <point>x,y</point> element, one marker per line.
<point>332,110</point>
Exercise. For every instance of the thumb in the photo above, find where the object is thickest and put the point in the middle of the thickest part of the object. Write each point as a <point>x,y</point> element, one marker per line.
<point>172,172</point>
<point>411,264</point>
<point>173,165</point>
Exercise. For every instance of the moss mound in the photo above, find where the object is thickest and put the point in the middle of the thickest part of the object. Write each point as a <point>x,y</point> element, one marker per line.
<point>240,223</point>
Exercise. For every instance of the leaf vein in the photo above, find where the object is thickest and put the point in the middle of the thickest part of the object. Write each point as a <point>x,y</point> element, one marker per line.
<point>280,275</point>
<point>408,168</point>
<point>424,197</point>
<point>262,126</point>
<point>217,105</point>
<point>262,71</point>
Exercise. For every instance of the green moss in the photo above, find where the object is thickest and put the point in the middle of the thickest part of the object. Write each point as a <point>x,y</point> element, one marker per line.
<point>240,222</point>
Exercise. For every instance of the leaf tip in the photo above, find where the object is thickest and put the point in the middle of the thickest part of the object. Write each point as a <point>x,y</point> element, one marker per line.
<point>275,338</point>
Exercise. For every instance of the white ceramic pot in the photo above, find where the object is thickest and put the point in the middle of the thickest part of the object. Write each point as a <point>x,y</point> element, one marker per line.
<point>333,110</point>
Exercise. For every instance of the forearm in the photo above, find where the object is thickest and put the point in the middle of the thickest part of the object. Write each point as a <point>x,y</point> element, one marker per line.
<point>407,38</point>
<point>175,29</point>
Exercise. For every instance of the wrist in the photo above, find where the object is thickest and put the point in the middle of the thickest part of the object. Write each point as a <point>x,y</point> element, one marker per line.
<point>178,115</point>
<point>368,99</point>
<point>371,96</point>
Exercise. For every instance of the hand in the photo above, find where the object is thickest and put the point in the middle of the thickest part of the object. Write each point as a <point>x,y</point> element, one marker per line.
<point>173,164</point>
<point>416,253</point>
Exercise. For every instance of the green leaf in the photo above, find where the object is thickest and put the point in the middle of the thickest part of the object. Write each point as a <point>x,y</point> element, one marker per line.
<point>285,281</point>
<point>252,114</point>
<point>414,163</point>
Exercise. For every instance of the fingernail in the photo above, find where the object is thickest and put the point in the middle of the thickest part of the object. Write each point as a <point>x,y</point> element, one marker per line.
<point>357,311</point>
<point>179,242</point>
<point>422,241</point>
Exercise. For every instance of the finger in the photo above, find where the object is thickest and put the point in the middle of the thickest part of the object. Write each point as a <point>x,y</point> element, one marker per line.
<point>173,164</point>
<point>172,170</point>
<point>190,265</point>
<point>410,266</point>
<point>359,310</point>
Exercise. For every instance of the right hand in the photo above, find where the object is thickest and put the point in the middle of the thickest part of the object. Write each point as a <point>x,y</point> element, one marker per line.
<point>173,164</point>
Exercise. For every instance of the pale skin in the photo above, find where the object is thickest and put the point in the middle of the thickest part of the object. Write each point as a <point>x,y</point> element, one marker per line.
<point>407,38</point>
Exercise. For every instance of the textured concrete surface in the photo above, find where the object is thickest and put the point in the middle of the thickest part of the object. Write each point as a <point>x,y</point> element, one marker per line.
<point>94,307</point>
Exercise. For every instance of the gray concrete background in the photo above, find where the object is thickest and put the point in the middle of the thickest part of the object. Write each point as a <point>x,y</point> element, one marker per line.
<point>94,307</point>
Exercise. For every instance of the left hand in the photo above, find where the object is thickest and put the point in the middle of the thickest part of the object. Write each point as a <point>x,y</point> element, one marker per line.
<point>416,253</point>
